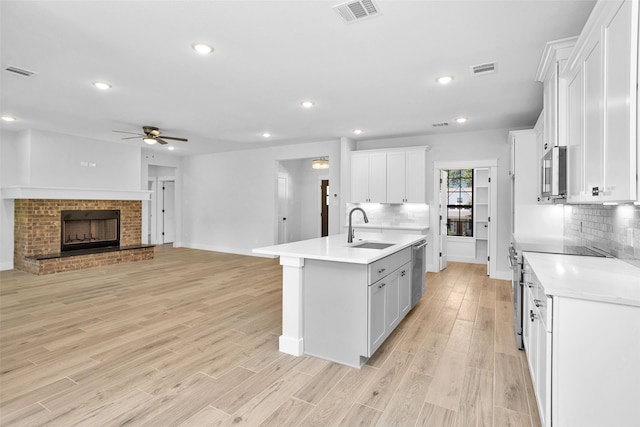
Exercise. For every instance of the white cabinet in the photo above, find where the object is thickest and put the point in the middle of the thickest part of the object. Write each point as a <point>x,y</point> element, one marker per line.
<point>389,176</point>
<point>553,113</point>
<point>601,91</point>
<point>369,177</point>
<point>406,173</point>
<point>537,335</point>
<point>582,356</point>
<point>389,302</point>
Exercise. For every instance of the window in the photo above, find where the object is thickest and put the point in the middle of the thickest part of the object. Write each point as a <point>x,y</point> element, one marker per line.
<point>460,202</point>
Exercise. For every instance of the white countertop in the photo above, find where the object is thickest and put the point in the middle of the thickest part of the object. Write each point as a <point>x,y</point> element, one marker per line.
<point>409,227</point>
<point>336,248</point>
<point>593,278</point>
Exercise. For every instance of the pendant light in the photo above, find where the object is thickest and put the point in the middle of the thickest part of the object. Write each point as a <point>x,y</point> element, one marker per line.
<point>321,163</point>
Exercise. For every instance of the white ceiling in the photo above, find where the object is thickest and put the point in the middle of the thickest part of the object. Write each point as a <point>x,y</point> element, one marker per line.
<point>377,74</point>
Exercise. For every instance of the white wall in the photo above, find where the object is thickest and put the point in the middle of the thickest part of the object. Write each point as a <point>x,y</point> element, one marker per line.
<point>464,146</point>
<point>230,199</point>
<point>47,159</point>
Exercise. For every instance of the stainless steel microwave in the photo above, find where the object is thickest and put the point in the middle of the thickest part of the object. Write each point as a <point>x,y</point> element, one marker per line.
<point>554,175</point>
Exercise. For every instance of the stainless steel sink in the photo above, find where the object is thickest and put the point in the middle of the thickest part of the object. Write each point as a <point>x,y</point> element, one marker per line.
<point>372,245</point>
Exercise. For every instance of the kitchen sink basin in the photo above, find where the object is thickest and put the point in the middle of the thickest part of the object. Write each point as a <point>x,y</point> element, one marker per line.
<point>372,245</point>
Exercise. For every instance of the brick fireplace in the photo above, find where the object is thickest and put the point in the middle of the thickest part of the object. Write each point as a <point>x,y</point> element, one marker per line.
<point>39,239</point>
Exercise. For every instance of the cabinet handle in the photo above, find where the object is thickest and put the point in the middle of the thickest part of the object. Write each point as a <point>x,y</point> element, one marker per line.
<point>382,270</point>
<point>532,315</point>
<point>382,286</point>
<point>537,302</point>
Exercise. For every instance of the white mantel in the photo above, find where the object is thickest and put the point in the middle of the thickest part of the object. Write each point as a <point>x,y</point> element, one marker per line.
<point>29,192</point>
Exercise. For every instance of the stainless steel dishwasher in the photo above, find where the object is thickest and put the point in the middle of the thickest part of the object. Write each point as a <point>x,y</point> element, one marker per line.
<point>418,279</point>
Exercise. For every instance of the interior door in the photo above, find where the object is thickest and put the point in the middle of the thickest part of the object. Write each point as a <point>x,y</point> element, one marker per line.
<point>444,175</point>
<point>168,212</point>
<point>324,211</point>
<point>283,200</point>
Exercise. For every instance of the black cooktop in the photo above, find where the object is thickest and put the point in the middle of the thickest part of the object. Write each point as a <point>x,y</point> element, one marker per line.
<point>563,249</point>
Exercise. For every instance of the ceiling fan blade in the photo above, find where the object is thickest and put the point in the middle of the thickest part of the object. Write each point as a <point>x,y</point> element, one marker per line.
<point>124,131</point>
<point>160,141</point>
<point>131,137</point>
<point>174,138</point>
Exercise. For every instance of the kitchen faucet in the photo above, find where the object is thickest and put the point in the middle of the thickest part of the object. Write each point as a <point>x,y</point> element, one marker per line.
<point>351,233</point>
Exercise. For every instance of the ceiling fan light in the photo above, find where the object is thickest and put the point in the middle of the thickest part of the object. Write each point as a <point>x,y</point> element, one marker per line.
<point>149,141</point>
<point>320,164</point>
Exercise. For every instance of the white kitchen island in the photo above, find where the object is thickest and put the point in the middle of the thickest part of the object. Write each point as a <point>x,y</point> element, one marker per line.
<point>339,301</point>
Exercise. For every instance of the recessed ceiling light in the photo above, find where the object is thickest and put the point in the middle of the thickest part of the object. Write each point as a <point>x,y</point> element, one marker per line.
<point>171,148</point>
<point>461,119</point>
<point>8,118</point>
<point>307,104</point>
<point>444,80</point>
<point>266,135</point>
<point>149,141</point>
<point>357,131</point>
<point>102,85</point>
<point>202,49</point>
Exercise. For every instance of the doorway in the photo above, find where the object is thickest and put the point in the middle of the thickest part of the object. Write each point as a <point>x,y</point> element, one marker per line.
<point>167,211</point>
<point>477,242</point>
<point>324,207</point>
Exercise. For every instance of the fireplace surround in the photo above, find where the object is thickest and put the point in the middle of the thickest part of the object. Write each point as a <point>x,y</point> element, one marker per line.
<point>38,235</point>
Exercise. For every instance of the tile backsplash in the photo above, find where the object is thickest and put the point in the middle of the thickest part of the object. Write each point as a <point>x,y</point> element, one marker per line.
<point>384,214</point>
<point>614,229</point>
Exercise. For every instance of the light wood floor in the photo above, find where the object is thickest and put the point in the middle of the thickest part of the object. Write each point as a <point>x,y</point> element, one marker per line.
<point>191,339</point>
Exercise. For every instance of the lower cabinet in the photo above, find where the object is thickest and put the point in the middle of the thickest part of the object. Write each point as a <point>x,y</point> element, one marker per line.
<point>349,310</point>
<point>583,358</point>
<point>389,301</point>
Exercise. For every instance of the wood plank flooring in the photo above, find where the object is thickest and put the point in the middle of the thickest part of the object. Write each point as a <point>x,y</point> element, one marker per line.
<point>190,338</point>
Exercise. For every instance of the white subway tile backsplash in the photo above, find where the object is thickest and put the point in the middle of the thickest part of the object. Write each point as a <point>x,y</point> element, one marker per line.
<point>614,229</point>
<point>396,214</point>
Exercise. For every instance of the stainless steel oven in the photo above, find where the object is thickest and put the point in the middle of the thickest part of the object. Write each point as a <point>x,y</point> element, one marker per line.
<point>516,263</point>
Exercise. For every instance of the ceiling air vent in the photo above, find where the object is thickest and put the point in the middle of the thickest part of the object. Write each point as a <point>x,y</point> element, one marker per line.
<point>20,71</point>
<point>482,69</point>
<point>353,11</point>
<point>440,125</point>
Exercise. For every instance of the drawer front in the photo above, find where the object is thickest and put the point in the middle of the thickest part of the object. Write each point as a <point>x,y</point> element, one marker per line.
<point>386,265</point>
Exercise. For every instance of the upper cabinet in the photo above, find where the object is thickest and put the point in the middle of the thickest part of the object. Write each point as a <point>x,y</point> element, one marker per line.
<point>601,113</point>
<point>406,181</point>
<point>369,177</point>
<point>553,61</point>
<point>389,176</point>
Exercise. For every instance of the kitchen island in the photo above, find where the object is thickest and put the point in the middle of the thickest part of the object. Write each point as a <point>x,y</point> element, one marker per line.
<point>341,300</point>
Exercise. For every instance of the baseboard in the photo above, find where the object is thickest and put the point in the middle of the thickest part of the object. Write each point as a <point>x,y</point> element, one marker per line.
<point>502,275</point>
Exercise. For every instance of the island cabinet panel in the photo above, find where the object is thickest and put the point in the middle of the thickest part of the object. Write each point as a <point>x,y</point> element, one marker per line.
<point>335,311</point>
<point>351,309</point>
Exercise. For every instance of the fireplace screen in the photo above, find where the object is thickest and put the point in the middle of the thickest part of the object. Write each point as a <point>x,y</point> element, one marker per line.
<point>89,229</point>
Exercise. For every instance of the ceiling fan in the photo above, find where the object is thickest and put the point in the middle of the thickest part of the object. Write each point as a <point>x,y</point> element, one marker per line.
<point>151,135</point>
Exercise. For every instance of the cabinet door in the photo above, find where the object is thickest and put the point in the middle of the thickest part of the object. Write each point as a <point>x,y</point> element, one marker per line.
<point>359,178</point>
<point>550,110</point>
<point>620,106</point>
<point>392,283</point>
<point>405,289</point>
<point>575,115</point>
<point>378,177</point>
<point>377,315</point>
<point>415,176</point>
<point>396,172</point>
<point>543,390</point>
<point>594,126</point>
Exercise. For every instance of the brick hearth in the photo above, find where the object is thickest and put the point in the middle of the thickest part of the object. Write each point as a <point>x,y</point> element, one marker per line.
<point>37,234</point>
